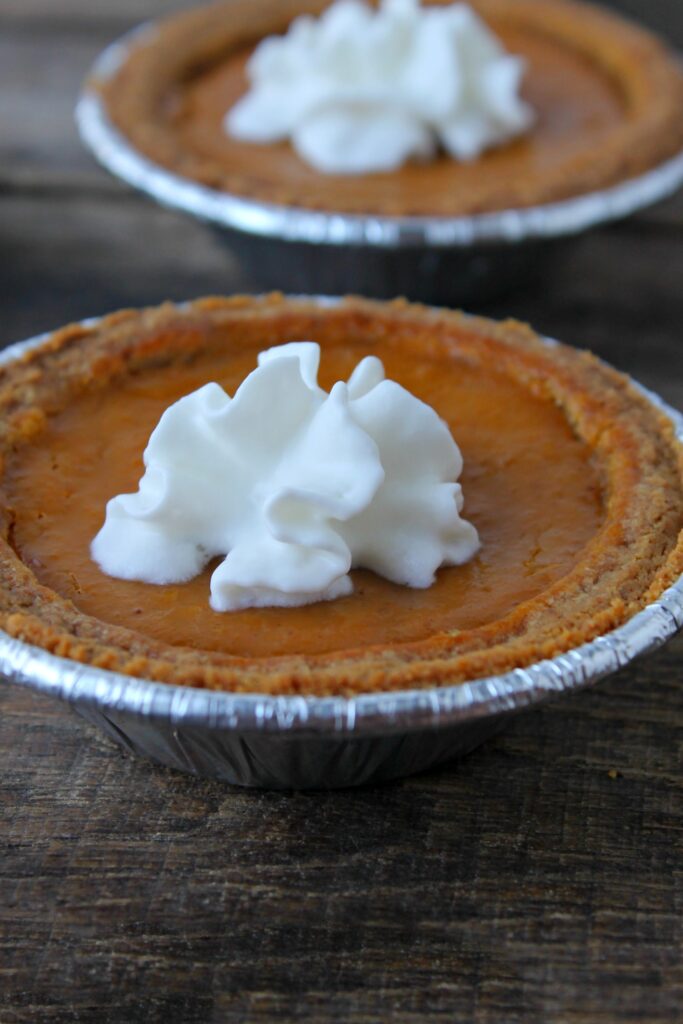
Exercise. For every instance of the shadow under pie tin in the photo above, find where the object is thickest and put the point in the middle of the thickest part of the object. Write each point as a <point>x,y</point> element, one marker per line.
<point>325,742</point>
<point>440,260</point>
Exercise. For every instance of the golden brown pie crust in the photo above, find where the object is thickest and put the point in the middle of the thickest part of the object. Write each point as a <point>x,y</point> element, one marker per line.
<point>609,98</point>
<point>634,555</point>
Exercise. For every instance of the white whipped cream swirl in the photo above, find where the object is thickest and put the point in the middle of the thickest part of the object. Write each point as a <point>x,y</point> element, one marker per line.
<point>359,90</point>
<point>294,486</point>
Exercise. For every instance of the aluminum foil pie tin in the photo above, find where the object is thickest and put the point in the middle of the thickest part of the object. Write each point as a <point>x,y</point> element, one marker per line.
<point>325,742</point>
<point>446,260</point>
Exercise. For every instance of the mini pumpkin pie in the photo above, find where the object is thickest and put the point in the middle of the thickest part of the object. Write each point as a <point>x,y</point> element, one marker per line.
<point>572,478</point>
<point>606,95</point>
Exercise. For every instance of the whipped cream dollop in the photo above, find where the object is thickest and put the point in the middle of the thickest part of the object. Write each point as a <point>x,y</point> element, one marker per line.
<point>361,90</point>
<point>294,485</point>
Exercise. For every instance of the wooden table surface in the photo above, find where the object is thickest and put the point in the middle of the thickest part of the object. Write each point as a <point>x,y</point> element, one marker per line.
<point>540,879</point>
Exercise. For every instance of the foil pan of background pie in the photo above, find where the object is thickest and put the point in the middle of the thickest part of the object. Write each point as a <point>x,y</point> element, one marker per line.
<point>325,742</point>
<point>441,260</point>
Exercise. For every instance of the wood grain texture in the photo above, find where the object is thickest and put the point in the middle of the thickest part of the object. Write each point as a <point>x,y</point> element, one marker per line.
<point>539,880</point>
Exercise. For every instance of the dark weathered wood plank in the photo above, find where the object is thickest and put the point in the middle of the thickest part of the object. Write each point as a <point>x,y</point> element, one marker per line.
<point>663,16</point>
<point>67,258</point>
<point>527,883</point>
<point>614,291</point>
<point>41,77</point>
<point>86,15</point>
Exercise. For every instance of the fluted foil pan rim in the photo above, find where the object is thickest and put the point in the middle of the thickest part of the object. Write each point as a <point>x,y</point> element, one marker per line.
<point>364,715</point>
<point>293,224</point>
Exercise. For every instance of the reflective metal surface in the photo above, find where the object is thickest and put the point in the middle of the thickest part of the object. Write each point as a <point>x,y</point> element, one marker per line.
<point>305,742</point>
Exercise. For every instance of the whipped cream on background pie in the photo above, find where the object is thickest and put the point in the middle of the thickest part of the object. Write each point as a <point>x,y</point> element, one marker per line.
<point>606,95</point>
<point>361,90</point>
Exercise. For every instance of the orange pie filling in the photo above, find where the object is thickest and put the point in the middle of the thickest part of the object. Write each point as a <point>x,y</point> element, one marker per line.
<point>572,480</point>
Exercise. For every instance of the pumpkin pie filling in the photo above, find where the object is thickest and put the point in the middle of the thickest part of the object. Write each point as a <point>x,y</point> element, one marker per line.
<point>607,98</point>
<point>533,523</point>
<point>572,479</point>
<point>577,105</point>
